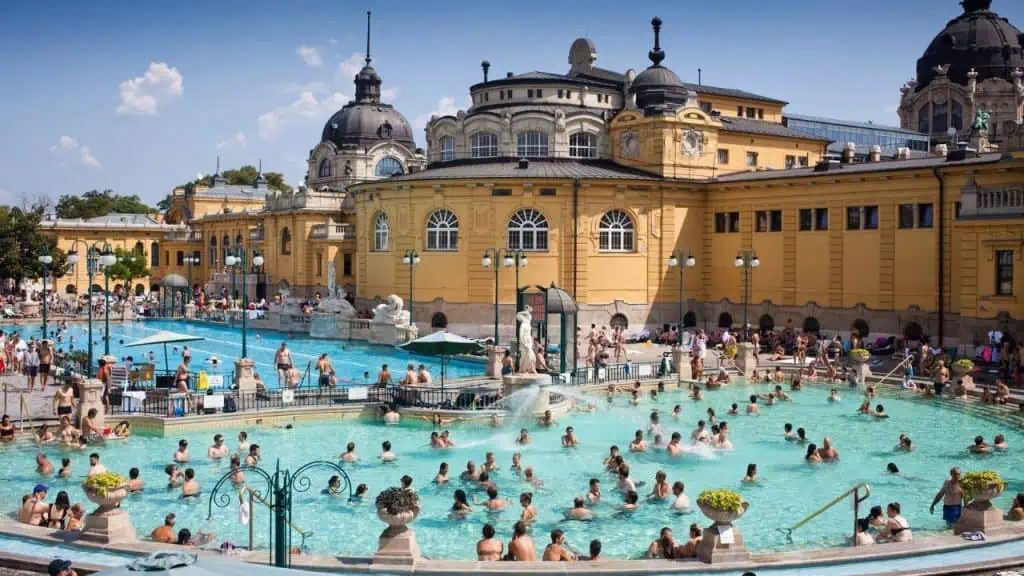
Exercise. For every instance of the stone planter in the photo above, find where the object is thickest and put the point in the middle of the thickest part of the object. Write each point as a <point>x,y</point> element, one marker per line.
<point>711,548</point>
<point>397,544</point>
<point>960,371</point>
<point>108,523</point>
<point>981,514</point>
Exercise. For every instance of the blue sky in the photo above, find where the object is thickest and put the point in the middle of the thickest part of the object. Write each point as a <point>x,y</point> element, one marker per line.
<point>141,96</point>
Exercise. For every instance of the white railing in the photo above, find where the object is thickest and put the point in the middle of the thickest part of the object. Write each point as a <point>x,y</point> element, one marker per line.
<point>332,231</point>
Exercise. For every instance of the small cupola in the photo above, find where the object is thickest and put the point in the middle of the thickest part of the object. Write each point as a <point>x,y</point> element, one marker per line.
<point>658,90</point>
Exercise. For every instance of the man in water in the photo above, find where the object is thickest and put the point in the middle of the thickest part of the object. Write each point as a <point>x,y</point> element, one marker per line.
<point>219,449</point>
<point>578,511</point>
<point>283,361</point>
<point>489,548</point>
<point>556,551</point>
<point>94,466</point>
<point>700,433</point>
<point>165,534</point>
<point>952,497</point>
<point>521,547</point>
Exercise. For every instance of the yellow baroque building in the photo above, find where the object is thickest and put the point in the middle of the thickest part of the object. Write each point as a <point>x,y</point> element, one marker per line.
<point>599,178</point>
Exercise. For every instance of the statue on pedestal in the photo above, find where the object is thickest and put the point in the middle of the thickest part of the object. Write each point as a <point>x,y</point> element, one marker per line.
<point>391,312</point>
<point>527,357</point>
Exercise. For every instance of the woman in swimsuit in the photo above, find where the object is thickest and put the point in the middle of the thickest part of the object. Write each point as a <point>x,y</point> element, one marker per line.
<point>57,516</point>
<point>7,430</point>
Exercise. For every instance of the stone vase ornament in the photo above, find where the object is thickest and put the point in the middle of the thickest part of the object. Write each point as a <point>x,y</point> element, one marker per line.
<point>397,507</point>
<point>722,542</point>
<point>861,369</point>
<point>108,524</point>
<point>981,514</point>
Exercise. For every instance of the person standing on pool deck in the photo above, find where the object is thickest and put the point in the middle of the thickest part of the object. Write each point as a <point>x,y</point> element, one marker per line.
<point>283,361</point>
<point>323,365</point>
<point>952,497</point>
<point>64,400</point>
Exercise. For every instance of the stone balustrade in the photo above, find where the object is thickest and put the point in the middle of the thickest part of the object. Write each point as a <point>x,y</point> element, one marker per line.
<point>991,202</point>
<point>332,232</point>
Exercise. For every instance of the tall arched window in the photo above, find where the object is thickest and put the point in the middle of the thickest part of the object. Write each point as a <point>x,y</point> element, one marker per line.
<point>389,166</point>
<point>286,241</point>
<point>528,230</point>
<point>583,145</point>
<point>154,255</point>
<point>213,250</point>
<point>923,117</point>
<point>615,232</point>
<point>940,121</point>
<point>225,248</point>
<point>238,240</point>
<point>447,148</point>
<point>325,168</point>
<point>381,233</point>
<point>483,145</point>
<point>957,116</point>
<point>139,249</point>
<point>531,144</point>
<point>443,231</point>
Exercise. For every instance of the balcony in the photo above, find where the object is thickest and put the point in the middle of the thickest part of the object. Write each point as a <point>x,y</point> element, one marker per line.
<point>256,235</point>
<point>991,202</point>
<point>332,232</point>
<point>184,236</point>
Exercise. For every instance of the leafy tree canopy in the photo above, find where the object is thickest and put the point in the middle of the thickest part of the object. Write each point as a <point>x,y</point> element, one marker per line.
<point>21,244</point>
<point>244,176</point>
<point>95,203</point>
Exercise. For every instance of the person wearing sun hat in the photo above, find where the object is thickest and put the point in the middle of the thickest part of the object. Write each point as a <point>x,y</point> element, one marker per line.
<point>60,567</point>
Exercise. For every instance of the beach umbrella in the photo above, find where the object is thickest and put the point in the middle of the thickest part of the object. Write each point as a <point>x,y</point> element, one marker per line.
<point>164,337</point>
<point>442,344</point>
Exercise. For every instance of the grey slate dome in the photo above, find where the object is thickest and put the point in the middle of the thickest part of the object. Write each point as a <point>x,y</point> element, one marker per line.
<point>366,120</point>
<point>657,88</point>
<point>978,39</point>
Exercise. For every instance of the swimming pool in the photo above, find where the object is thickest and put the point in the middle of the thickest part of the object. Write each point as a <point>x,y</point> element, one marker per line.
<point>350,359</point>
<point>787,491</point>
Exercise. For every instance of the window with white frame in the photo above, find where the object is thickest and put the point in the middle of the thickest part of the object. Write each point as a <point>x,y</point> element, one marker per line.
<point>583,145</point>
<point>325,168</point>
<point>381,233</point>
<point>389,166</point>
<point>531,144</point>
<point>528,230</point>
<point>442,231</point>
<point>447,148</point>
<point>615,233</point>
<point>483,145</point>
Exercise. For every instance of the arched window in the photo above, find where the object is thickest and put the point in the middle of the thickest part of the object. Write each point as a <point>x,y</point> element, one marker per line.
<point>531,144</point>
<point>583,145</point>
<point>225,248</point>
<point>811,324</point>
<point>442,231</point>
<point>286,241</point>
<point>923,117</point>
<point>689,320</point>
<point>725,320</point>
<point>139,249</point>
<point>862,327</point>
<point>154,254</point>
<point>957,116</point>
<point>483,145</point>
<point>325,168</point>
<point>381,233</point>
<point>438,320</point>
<point>389,166</point>
<point>615,232</point>
<point>140,290</point>
<point>213,250</point>
<point>913,331</point>
<point>447,148</point>
<point>528,230</point>
<point>238,240</point>
<point>71,289</point>
<point>940,120</point>
<point>619,320</point>
<point>766,323</point>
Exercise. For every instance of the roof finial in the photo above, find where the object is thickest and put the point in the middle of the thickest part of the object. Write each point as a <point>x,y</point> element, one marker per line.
<point>218,165</point>
<point>656,55</point>
<point>261,166</point>
<point>368,38</point>
<point>975,5</point>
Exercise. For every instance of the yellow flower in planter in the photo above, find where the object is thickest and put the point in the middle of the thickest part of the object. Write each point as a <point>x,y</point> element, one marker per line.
<point>101,483</point>
<point>973,483</point>
<point>724,500</point>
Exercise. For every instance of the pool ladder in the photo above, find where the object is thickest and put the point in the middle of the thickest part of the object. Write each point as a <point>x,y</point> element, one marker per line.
<point>857,499</point>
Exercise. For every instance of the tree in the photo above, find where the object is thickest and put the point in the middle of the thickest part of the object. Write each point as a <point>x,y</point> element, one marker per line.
<point>21,244</point>
<point>129,266</point>
<point>244,176</point>
<point>95,203</point>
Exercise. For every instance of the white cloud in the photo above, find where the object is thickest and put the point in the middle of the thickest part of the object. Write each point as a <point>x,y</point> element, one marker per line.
<point>310,55</point>
<point>142,95</point>
<point>307,107</point>
<point>389,94</point>
<point>349,68</point>
<point>332,40</point>
<point>69,150</point>
<point>445,107</point>
<point>315,86</point>
<point>239,140</point>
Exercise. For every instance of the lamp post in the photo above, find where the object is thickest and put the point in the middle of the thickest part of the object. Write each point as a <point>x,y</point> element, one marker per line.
<point>190,259</point>
<point>93,259</point>
<point>238,259</point>
<point>748,260</point>
<point>45,259</point>
<point>512,257</point>
<point>411,258</point>
<point>682,259</point>
<point>107,259</point>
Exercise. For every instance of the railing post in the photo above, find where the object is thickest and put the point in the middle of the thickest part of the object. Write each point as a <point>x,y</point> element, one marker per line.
<point>250,521</point>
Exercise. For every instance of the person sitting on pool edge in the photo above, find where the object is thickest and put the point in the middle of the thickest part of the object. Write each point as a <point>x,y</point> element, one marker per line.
<point>489,548</point>
<point>557,550</point>
<point>164,534</point>
<point>897,528</point>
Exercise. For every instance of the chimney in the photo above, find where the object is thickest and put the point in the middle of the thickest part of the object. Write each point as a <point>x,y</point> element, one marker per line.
<point>524,163</point>
<point>903,153</point>
<point>508,75</point>
<point>849,151</point>
<point>941,150</point>
<point>876,153</point>
<point>486,66</point>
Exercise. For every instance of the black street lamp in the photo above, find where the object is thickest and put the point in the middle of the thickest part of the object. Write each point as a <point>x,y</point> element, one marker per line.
<point>45,259</point>
<point>515,258</point>
<point>748,260</point>
<point>107,259</point>
<point>411,259</point>
<point>237,258</point>
<point>190,259</point>
<point>682,259</point>
<point>93,259</point>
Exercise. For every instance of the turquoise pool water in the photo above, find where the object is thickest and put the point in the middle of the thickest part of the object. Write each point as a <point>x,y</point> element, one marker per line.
<point>787,491</point>
<point>350,359</point>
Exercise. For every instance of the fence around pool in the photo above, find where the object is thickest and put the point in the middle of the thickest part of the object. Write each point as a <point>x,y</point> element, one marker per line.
<point>213,394</point>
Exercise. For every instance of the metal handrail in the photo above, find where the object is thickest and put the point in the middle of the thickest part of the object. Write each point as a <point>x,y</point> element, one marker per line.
<point>857,499</point>
<point>304,533</point>
<point>898,366</point>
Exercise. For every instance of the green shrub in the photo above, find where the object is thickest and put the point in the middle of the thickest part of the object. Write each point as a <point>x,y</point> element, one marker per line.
<point>724,500</point>
<point>102,483</point>
<point>973,483</point>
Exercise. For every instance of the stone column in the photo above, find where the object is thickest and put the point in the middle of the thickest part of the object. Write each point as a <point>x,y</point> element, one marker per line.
<point>244,378</point>
<point>494,356</point>
<point>746,359</point>
<point>91,396</point>
<point>711,550</point>
<point>681,358</point>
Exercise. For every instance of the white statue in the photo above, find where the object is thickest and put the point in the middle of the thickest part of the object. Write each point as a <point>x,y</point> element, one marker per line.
<point>527,357</point>
<point>331,278</point>
<point>337,305</point>
<point>391,312</point>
